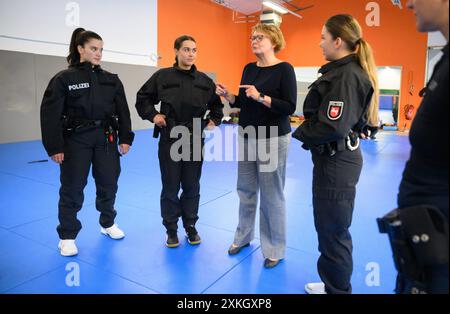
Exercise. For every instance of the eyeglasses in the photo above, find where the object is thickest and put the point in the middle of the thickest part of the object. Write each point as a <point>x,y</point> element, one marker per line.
<point>257,38</point>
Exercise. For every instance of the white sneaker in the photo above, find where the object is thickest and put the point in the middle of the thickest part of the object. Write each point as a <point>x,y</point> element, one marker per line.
<point>113,232</point>
<point>315,288</point>
<point>67,248</point>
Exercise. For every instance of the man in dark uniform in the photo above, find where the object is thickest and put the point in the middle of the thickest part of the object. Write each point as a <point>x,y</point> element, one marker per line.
<point>186,96</point>
<point>418,230</point>
<point>335,113</point>
<point>84,113</point>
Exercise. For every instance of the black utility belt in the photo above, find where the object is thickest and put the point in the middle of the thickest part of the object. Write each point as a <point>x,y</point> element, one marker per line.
<point>330,149</point>
<point>90,123</point>
<point>74,125</point>
<point>171,124</point>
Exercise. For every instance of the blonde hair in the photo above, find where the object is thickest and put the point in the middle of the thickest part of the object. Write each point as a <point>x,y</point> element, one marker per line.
<point>347,28</point>
<point>274,33</point>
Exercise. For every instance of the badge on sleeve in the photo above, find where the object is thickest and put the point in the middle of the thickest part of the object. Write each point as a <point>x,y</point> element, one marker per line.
<point>335,109</point>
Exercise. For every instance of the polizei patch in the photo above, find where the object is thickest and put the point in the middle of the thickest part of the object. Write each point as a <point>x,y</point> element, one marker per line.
<point>335,110</point>
<point>78,86</point>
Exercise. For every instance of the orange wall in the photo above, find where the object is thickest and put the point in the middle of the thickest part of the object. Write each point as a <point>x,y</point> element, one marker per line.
<point>224,47</point>
<point>221,43</point>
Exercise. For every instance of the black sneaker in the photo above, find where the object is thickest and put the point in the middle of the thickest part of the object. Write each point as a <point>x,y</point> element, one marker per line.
<point>172,239</point>
<point>192,235</point>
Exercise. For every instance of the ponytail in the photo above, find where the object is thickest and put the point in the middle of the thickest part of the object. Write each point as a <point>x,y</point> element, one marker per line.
<point>74,56</point>
<point>347,28</point>
<point>367,61</point>
<point>80,36</point>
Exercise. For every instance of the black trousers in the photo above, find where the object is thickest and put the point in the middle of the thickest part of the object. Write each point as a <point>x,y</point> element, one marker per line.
<point>334,190</point>
<point>81,151</point>
<point>175,175</point>
<point>435,281</point>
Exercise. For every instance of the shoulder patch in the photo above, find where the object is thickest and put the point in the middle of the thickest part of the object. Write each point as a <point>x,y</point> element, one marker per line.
<point>335,110</point>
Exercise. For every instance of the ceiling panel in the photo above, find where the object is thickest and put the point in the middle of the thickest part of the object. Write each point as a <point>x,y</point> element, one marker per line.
<point>243,6</point>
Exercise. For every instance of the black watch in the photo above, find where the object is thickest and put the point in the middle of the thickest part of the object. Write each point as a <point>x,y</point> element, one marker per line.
<point>261,97</point>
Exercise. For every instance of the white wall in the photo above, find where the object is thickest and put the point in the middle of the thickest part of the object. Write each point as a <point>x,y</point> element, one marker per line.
<point>390,77</point>
<point>436,39</point>
<point>307,74</point>
<point>128,28</point>
<point>434,56</point>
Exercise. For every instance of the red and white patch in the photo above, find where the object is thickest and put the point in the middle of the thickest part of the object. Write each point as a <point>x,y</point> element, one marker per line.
<point>335,110</point>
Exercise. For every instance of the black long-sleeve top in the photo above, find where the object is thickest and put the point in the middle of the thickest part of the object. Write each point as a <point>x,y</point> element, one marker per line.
<point>336,104</point>
<point>425,179</point>
<point>279,83</point>
<point>87,93</point>
<point>184,95</point>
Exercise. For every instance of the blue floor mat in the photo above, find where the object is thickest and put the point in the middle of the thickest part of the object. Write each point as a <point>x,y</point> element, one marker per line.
<point>140,263</point>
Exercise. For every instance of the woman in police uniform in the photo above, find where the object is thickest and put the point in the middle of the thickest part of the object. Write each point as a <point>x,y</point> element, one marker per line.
<point>339,104</point>
<point>84,113</point>
<point>186,96</point>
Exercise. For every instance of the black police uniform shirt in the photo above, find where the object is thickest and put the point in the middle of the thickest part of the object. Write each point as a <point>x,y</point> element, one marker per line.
<point>278,82</point>
<point>87,93</point>
<point>184,95</point>
<point>336,104</point>
<point>425,179</point>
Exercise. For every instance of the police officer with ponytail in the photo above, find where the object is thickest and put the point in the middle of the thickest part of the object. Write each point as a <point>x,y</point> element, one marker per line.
<point>188,102</point>
<point>338,106</point>
<point>85,120</point>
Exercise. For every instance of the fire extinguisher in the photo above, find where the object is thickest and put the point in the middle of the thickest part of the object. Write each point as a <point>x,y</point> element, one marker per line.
<point>409,109</point>
<point>409,112</point>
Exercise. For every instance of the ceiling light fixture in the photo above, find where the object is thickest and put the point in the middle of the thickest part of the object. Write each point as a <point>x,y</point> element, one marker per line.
<point>276,7</point>
<point>279,8</point>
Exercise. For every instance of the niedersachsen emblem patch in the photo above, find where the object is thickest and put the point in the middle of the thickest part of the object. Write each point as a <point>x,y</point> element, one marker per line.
<point>335,110</point>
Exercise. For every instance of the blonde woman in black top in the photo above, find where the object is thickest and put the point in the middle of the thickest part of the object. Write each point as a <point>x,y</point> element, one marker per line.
<point>267,97</point>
